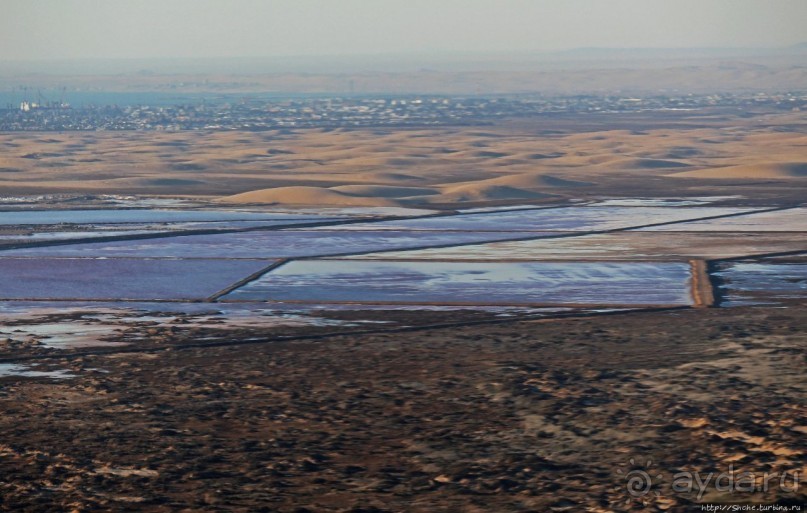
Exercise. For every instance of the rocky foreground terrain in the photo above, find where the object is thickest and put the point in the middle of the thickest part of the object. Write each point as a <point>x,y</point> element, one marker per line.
<point>540,415</point>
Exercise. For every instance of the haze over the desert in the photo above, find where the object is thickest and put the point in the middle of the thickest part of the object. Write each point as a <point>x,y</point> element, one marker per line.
<point>152,29</point>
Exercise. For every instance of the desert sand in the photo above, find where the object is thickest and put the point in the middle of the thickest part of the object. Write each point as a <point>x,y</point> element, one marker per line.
<point>536,160</point>
<point>767,170</point>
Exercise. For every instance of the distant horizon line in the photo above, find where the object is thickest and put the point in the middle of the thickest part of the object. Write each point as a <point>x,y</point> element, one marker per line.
<point>440,54</point>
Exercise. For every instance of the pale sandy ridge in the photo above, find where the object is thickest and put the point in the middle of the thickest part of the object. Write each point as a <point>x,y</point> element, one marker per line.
<point>309,196</point>
<point>777,170</point>
<point>539,159</point>
<point>509,187</point>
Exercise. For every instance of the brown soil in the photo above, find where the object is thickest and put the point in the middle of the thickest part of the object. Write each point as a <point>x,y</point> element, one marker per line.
<point>517,416</point>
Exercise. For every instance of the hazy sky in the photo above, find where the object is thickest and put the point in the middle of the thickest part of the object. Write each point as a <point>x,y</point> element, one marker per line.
<point>56,29</point>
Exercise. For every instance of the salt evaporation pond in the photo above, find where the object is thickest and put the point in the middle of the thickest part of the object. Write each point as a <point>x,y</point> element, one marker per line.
<point>68,278</point>
<point>761,282</point>
<point>663,202</point>
<point>268,244</point>
<point>479,283</point>
<point>53,236</point>
<point>109,216</point>
<point>97,231</point>
<point>633,245</point>
<point>591,218</point>
<point>790,220</point>
<point>162,311</point>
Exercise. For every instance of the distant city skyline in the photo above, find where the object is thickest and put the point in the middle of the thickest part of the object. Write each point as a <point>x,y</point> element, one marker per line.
<point>148,29</point>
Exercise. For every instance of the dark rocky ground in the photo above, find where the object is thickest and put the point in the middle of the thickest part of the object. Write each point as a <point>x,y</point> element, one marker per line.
<point>527,416</point>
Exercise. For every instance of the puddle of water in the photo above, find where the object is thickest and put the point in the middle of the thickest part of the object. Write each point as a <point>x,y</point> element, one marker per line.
<point>162,311</point>
<point>65,334</point>
<point>12,369</point>
<point>270,319</point>
<point>110,325</point>
<point>481,283</point>
<point>94,328</point>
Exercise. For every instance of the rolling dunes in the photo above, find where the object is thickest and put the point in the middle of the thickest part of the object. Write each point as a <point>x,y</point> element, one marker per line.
<point>776,171</point>
<point>515,187</point>
<point>308,196</point>
<point>535,160</point>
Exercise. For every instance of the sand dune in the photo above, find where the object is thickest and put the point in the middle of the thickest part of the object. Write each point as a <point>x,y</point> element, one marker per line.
<point>384,191</point>
<point>154,182</point>
<point>314,196</point>
<point>527,181</point>
<point>781,170</point>
<point>681,153</point>
<point>496,189</point>
<point>382,177</point>
<point>189,166</point>
<point>444,165</point>
<point>530,181</point>
<point>511,187</point>
<point>543,156</point>
<point>486,192</point>
<point>489,154</point>
<point>644,164</point>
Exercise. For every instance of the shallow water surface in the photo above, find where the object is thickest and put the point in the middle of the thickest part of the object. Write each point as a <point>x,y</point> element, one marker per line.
<point>62,335</point>
<point>107,216</point>
<point>593,218</point>
<point>790,220</point>
<point>90,278</point>
<point>761,282</point>
<point>12,369</point>
<point>269,244</point>
<point>629,245</point>
<point>480,283</point>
